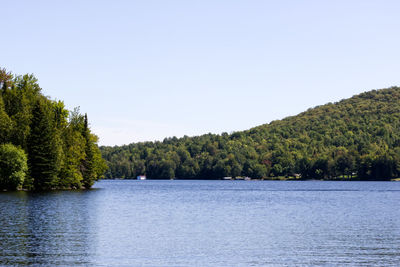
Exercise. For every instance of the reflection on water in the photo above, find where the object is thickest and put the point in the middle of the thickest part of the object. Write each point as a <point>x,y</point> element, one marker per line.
<point>46,228</point>
<point>205,223</point>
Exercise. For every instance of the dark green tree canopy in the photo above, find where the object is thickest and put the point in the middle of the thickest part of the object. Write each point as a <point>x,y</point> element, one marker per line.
<point>42,148</point>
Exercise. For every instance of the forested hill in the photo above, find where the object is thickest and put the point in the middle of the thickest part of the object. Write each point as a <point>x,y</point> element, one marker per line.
<point>356,138</point>
<point>43,146</point>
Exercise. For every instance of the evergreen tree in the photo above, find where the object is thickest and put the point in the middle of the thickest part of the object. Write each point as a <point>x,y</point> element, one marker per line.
<point>88,172</point>
<point>42,152</point>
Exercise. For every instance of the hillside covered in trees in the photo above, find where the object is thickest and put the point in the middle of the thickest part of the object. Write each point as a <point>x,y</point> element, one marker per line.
<point>356,138</point>
<point>42,145</point>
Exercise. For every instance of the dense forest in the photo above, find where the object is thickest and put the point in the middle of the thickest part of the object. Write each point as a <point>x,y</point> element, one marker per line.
<point>43,146</point>
<point>356,138</point>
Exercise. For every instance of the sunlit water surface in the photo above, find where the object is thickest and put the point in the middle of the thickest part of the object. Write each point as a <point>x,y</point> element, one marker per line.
<point>204,223</point>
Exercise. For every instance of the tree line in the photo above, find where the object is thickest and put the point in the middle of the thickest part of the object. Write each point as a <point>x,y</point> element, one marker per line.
<point>43,146</point>
<point>356,138</point>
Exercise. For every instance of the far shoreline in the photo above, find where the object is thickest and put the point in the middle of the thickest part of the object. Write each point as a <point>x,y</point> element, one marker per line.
<point>261,179</point>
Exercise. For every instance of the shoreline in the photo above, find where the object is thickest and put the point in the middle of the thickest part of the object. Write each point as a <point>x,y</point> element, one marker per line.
<point>266,179</point>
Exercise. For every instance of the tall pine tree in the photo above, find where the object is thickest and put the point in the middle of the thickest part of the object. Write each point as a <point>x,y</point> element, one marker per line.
<point>42,154</point>
<point>88,171</point>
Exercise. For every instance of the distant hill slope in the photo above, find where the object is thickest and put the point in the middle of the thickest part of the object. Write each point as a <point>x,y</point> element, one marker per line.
<point>356,138</point>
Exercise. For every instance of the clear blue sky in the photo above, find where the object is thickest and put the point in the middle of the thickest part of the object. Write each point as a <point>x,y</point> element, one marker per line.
<point>144,70</point>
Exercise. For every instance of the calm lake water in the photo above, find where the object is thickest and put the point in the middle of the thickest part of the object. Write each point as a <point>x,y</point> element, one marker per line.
<point>204,223</point>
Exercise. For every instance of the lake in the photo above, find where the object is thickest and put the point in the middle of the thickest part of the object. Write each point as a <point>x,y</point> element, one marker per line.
<point>204,223</point>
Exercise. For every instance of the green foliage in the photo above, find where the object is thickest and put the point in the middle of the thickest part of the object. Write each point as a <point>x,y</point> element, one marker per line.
<point>58,143</point>
<point>13,167</point>
<point>5,123</point>
<point>356,138</point>
<point>42,150</point>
